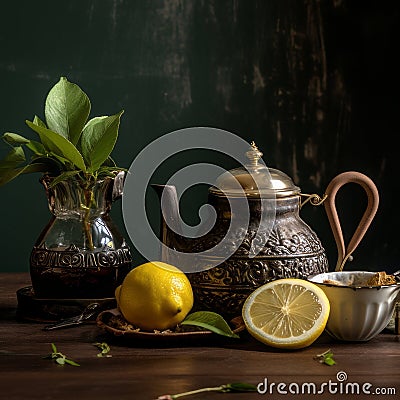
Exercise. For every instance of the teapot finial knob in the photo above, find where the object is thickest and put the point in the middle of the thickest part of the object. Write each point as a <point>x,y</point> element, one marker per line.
<point>254,154</point>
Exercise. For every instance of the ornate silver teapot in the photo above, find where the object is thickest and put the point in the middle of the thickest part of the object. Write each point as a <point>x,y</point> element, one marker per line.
<point>257,235</point>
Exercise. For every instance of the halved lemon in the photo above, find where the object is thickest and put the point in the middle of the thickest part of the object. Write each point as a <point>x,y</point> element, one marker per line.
<point>286,313</point>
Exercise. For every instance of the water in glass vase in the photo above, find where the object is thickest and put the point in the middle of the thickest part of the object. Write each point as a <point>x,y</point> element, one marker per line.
<point>80,253</point>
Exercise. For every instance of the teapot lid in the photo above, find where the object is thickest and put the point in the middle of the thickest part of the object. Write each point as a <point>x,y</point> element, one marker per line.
<point>254,180</point>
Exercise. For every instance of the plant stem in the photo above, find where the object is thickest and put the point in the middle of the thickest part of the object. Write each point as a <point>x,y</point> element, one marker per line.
<point>88,232</point>
<point>202,390</point>
<point>86,219</point>
<point>229,387</point>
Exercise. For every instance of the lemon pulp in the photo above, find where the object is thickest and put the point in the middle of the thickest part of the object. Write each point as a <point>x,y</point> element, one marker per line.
<point>286,313</point>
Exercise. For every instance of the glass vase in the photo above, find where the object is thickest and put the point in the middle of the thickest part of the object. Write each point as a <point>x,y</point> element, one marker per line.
<point>80,253</point>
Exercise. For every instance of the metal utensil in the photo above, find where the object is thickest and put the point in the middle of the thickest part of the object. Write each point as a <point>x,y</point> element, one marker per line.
<point>86,314</point>
<point>357,312</point>
<point>397,275</point>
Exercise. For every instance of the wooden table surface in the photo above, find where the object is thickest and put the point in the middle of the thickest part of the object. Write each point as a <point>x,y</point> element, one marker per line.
<point>139,370</point>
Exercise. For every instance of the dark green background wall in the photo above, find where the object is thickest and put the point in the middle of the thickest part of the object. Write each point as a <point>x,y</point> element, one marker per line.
<point>314,83</point>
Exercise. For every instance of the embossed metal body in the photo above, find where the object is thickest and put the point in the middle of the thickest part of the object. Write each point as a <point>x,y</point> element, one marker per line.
<point>292,249</point>
<point>261,240</point>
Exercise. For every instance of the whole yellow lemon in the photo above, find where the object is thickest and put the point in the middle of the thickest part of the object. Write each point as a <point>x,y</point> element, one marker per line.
<point>155,295</point>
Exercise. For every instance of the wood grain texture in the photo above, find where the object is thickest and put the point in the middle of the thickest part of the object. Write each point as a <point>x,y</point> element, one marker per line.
<point>143,371</point>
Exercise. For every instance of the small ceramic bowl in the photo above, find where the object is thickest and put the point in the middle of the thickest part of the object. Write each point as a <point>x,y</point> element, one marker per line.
<point>358,312</point>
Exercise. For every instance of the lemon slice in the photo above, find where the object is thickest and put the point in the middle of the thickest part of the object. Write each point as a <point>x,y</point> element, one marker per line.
<point>286,313</point>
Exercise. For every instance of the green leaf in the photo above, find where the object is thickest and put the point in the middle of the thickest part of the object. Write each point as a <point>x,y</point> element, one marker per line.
<point>60,360</point>
<point>39,122</point>
<point>58,145</point>
<point>52,165</point>
<point>326,358</point>
<point>71,362</point>
<point>98,139</point>
<point>60,159</point>
<point>15,157</point>
<point>67,109</point>
<point>111,172</point>
<point>14,139</point>
<point>7,176</point>
<point>62,177</point>
<point>105,349</point>
<point>9,170</point>
<point>329,361</point>
<point>210,321</point>
<point>36,147</point>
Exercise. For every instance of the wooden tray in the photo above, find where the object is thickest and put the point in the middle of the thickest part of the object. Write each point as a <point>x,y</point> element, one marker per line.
<point>112,321</point>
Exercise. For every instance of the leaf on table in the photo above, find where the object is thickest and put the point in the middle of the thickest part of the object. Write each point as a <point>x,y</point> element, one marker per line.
<point>211,321</point>
<point>71,362</point>
<point>104,349</point>
<point>59,358</point>
<point>326,358</point>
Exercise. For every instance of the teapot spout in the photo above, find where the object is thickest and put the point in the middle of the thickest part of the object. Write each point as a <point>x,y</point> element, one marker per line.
<point>170,227</point>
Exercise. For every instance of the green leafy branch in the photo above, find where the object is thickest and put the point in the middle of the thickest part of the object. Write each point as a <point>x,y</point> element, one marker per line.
<point>326,358</point>
<point>104,349</point>
<point>60,358</point>
<point>68,143</point>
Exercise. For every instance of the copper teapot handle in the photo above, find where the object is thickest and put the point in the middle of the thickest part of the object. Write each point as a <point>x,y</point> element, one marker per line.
<point>330,208</point>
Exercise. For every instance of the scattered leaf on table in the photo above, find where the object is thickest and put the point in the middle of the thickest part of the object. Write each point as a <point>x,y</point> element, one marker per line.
<point>211,321</point>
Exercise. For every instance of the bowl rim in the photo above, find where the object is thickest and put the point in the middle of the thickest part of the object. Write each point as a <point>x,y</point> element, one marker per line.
<point>352,287</point>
